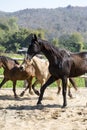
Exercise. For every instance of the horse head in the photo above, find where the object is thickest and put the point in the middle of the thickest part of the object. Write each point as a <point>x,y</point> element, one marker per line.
<point>3,61</point>
<point>34,46</point>
<point>25,64</point>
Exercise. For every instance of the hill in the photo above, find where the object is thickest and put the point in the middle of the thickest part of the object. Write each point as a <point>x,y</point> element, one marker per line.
<point>55,22</point>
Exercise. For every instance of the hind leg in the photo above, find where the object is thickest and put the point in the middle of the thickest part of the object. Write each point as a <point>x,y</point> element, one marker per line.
<point>69,92</point>
<point>73,83</point>
<point>33,87</point>
<point>69,86</point>
<point>59,86</point>
<point>23,92</point>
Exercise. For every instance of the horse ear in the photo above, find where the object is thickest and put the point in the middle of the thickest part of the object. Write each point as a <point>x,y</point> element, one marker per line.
<point>35,37</point>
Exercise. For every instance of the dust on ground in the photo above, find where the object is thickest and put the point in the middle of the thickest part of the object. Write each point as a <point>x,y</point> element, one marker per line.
<point>24,114</point>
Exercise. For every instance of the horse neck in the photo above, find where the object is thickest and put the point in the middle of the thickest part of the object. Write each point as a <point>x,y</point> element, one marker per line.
<point>8,65</point>
<point>50,53</point>
<point>36,64</point>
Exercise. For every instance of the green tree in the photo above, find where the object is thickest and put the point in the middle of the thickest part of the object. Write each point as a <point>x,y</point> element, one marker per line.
<point>85,46</point>
<point>2,48</point>
<point>12,23</point>
<point>76,42</point>
<point>55,42</point>
<point>4,27</point>
<point>73,42</point>
<point>40,33</point>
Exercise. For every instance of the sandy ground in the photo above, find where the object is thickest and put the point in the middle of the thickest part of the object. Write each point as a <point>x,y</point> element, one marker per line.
<point>24,114</point>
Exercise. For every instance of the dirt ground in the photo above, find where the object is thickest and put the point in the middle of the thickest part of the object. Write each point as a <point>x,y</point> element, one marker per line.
<point>24,114</point>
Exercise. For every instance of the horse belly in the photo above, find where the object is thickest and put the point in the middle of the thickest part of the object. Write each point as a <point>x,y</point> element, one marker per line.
<point>55,72</point>
<point>77,72</point>
<point>18,76</point>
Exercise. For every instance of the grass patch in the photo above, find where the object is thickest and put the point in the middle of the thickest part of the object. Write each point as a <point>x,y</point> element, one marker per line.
<point>9,84</point>
<point>80,82</point>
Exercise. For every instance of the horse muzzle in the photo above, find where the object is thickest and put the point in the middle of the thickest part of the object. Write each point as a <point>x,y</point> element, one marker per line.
<point>21,68</point>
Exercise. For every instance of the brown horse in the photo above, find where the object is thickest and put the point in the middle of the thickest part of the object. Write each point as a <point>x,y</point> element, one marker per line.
<point>42,74</point>
<point>62,64</point>
<point>12,72</point>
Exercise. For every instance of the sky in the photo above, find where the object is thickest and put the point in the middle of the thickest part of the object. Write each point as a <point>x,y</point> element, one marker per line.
<point>16,5</point>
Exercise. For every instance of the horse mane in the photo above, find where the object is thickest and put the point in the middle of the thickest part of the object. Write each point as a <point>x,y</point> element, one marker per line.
<point>16,62</point>
<point>49,46</point>
<point>6,58</point>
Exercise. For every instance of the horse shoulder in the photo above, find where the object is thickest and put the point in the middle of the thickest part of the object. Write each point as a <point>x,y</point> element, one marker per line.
<point>41,69</point>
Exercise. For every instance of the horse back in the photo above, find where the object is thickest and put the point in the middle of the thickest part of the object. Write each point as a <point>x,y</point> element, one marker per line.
<point>79,64</point>
<point>82,55</point>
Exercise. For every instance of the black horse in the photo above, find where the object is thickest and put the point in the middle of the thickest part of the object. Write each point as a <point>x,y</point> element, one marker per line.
<point>62,64</point>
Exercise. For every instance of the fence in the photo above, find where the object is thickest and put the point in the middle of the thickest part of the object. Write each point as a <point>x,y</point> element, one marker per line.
<point>85,76</point>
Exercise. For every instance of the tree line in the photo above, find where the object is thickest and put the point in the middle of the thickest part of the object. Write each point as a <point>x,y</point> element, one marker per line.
<point>13,37</point>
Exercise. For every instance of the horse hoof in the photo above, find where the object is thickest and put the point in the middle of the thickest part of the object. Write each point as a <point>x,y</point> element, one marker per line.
<point>37,93</point>
<point>31,93</point>
<point>71,97</point>
<point>64,106</point>
<point>39,103</point>
<point>22,94</point>
<point>16,96</point>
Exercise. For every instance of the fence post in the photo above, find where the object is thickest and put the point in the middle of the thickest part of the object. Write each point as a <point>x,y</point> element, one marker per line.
<point>86,80</point>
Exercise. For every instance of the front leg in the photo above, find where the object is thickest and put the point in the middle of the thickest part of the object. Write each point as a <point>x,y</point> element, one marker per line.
<point>49,81</point>
<point>64,90</point>
<point>29,86</point>
<point>22,93</point>
<point>3,82</point>
<point>14,89</point>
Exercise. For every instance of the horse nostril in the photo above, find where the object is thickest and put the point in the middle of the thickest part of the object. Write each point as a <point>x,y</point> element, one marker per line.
<point>21,68</point>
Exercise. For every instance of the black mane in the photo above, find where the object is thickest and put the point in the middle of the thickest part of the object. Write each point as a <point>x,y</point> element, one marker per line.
<point>49,46</point>
<point>5,58</point>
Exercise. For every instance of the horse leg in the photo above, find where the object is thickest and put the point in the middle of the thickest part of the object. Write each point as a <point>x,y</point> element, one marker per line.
<point>49,81</point>
<point>29,86</point>
<point>73,83</point>
<point>69,86</point>
<point>33,87</point>
<point>64,85</point>
<point>59,86</point>
<point>3,82</point>
<point>69,92</point>
<point>14,90</point>
<point>22,93</point>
